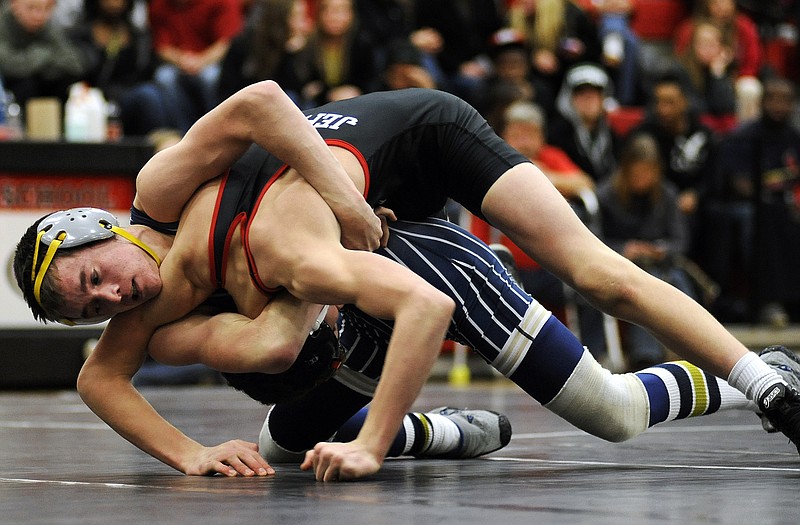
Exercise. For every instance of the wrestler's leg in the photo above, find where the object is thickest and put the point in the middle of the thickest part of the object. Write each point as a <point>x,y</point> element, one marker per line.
<point>546,360</point>
<point>293,427</point>
<point>527,344</point>
<point>527,208</point>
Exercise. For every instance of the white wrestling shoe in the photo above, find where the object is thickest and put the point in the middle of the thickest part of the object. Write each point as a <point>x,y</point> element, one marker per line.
<point>482,431</point>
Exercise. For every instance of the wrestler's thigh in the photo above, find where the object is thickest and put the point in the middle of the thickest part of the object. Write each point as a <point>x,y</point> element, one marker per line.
<point>524,205</point>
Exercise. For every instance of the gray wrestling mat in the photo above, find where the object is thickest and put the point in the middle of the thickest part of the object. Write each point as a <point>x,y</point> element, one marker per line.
<point>62,465</point>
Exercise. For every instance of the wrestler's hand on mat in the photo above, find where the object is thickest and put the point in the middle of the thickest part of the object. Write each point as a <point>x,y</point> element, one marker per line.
<point>232,458</point>
<point>385,215</point>
<point>340,461</point>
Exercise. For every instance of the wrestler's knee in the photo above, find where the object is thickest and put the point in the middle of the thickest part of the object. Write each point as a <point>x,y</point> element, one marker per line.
<point>610,406</point>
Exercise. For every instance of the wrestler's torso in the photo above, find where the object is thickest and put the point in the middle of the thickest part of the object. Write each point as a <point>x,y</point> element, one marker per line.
<point>261,249</point>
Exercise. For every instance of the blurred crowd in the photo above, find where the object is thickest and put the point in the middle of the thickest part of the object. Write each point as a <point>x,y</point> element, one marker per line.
<point>673,136</point>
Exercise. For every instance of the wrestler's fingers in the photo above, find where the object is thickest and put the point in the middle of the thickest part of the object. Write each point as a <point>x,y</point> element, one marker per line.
<point>219,467</point>
<point>308,461</point>
<point>259,465</point>
<point>386,213</point>
<point>252,459</point>
<point>239,466</point>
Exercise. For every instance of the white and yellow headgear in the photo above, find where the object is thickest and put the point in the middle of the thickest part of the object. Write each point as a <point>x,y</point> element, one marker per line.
<point>71,228</point>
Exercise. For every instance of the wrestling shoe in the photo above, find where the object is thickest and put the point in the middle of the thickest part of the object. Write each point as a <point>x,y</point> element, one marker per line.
<point>780,404</point>
<point>784,362</point>
<point>787,365</point>
<point>507,258</point>
<point>482,431</point>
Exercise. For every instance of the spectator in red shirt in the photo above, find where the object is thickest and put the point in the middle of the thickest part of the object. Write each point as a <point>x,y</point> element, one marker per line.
<point>191,37</point>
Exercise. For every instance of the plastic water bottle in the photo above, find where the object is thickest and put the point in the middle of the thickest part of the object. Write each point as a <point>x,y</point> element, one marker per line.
<point>13,117</point>
<point>2,107</point>
<point>85,114</point>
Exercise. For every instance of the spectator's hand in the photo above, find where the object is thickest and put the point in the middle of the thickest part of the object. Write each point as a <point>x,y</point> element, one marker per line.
<point>343,92</point>
<point>473,69</point>
<point>191,64</point>
<point>545,61</point>
<point>688,202</point>
<point>644,251</point>
<point>340,461</point>
<point>719,64</point>
<point>402,76</point>
<point>621,7</point>
<point>232,458</point>
<point>428,40</point>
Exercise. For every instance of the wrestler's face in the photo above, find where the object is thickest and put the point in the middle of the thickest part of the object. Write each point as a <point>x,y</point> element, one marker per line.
<point>105,278</point>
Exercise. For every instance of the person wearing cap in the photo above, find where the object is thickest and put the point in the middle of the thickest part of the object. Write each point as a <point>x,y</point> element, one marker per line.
<point>581,126</point>
<point>408,150</point>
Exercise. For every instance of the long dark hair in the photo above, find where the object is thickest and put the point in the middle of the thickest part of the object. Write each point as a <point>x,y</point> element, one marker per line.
<point>270,33</point>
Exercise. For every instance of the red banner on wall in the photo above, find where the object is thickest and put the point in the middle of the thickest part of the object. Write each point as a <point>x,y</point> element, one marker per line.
<point>49,191</point>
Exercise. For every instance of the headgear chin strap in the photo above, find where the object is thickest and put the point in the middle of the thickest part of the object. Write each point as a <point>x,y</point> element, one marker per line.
<point>71,228</point>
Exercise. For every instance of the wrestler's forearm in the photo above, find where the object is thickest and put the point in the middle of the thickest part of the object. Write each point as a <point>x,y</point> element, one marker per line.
<point>262,114</point>
<point>116,401</point>
<point>232,342</point>
<point>278,126</point>
<point>413,350</point>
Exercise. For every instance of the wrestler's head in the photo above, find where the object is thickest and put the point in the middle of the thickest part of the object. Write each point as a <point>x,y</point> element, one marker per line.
<point>73,267</point>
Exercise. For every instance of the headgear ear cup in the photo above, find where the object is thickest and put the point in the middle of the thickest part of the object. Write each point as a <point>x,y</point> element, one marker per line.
<point>317,361</point>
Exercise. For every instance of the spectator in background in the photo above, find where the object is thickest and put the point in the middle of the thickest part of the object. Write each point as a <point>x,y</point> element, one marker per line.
<point>560,34</point>
<point>386,21</point>
<point>757,219</point>
<point>270,47</point>
<point>456,33</point>
<point>709,63</point>
<point>642,221</point>
<point>405,68</point>
<point>620,45</point>
<point>341,55</point>
<point>191,37</point>
<point>512,76</point>
<point>37,59</point>
<point>741,34</point>
<point>581,127</point>
<point>686,145</point>
<point>120,62</point>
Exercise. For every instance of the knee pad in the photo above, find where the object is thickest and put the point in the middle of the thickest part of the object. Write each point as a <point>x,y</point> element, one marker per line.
<point>610,406</point>
<point>273,452</point>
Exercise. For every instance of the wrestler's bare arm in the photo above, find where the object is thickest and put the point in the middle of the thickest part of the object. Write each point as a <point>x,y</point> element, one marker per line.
<point>105,386</point>
<point>262,114</point>
<point>231,342</point>
<point>309,262</point>
<point>421,316</point>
